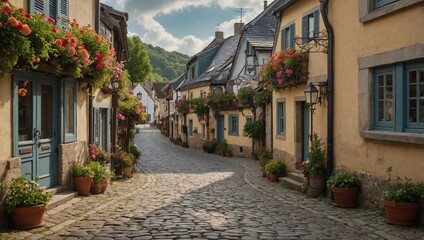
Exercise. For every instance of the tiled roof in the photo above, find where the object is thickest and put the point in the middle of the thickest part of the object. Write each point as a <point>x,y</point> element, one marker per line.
<point>220,62</point>
<point>157,87</point>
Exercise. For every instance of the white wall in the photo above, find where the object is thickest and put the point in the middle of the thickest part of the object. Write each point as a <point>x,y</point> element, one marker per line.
<point>147,102</point>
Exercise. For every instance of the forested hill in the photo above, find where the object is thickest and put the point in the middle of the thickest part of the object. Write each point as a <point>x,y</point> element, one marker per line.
<point>165,65</point>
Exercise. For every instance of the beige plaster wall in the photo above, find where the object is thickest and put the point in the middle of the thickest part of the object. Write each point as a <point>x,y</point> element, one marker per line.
<point>84,15</point>
<point>5,117</point>
<point>354,40</point>
<point>238,140</point>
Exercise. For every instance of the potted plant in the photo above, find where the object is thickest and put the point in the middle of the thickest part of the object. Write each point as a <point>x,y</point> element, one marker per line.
<point>223,149</point>
<point>26,202</point>
<point>100,177</point>
<point>209,146</point>
<point>345,187</point>
<point>275,169</point>
<point>82,176</point>
<point>127,161</point>
<point>314,168</point>
<point>402,200</point>
<point>262,164</point>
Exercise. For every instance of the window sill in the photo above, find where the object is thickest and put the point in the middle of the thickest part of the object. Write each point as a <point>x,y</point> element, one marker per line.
<point>281,136</point>
<point>233,134</point>
<point>370,15</point>
<point>403,137</point>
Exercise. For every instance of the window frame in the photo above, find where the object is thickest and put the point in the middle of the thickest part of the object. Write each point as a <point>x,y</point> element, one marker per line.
<point>383,3</point>
<point>58,4</point>
<point>281,118</point>
<point>315,14</point>
<point>289,29</point>
<point>383,125</point>
<point>368,13</point>
<point>69,137</point>
<point>231,130</point>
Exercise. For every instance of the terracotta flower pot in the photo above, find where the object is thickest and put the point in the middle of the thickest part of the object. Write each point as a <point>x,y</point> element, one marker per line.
<point>105,183</point>
<point>96,186</point>
<point>273,177</point>
<point>263,173</point>
<point>315,185</point>
<point>345,197</point>
<point>127,171</point>
<point>401,213</point>
<point>28,217</point>
<point>82,185</point>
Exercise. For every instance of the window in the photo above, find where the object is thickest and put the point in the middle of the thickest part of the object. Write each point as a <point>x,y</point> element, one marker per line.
<point>310,26</point>
<point>249,49</point>
<point>381,3</point>
<point>204,131</point>
<point>202,94</point>
<point>101,134</point>
<point>249,119</point>
<point>190,127</point>
<point>192,73</point>
<point>69,111</point>
<point>233,125</point>
<point>56,9</point>
<point>287,37</point>
<point>281,118</point>
<point>190,96</point>
<point>399,98</point>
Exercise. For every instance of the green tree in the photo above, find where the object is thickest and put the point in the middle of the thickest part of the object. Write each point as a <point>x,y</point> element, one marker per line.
<point>138,66</point>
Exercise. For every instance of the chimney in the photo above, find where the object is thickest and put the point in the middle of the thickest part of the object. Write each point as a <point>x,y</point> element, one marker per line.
<point>238,26</point>
<point>219,35</point>
<point>265,4</point>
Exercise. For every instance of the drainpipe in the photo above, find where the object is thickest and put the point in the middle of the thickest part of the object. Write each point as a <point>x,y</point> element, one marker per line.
<point>330,74</point>
<point>90,115</point>
<point>97,17</point>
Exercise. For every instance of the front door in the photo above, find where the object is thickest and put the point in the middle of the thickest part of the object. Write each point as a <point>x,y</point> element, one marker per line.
<point>36,118</point>
<point>305,130</point>
<point>220,127</point>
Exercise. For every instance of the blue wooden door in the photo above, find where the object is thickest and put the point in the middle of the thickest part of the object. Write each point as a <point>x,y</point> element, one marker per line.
<point>305,135</point>
<point>220,127</point>
<point>36,118</point>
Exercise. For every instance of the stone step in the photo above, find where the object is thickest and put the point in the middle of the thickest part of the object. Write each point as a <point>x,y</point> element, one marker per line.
<point>297,176</point>
<point>292,184</point>
<point>61,198</point>
<point>55,189</point>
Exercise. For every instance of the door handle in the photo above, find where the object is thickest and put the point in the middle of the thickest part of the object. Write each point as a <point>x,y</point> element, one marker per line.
<point>37,134</point>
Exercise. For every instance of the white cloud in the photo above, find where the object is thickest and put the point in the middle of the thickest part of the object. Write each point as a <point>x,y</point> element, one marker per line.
<point>144,11</point>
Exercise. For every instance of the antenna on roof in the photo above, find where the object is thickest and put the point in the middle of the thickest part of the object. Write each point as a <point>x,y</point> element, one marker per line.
<point>218,26</point>
<point>241,10</point>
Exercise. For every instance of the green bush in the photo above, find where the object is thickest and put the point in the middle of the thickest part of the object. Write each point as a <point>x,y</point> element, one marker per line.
<point>135,151</point>
<point>403,190</point>
<point>99,170</point>
<point>254,129</point>
<point>262,97</point>
<point>79,170</point>
<point>315,165</point>
<point>343,179</point>
<point>263,154</point>
<point>245,94</point>
<point>263,162</point>
<point>222,147</point>
<point>275,167</point>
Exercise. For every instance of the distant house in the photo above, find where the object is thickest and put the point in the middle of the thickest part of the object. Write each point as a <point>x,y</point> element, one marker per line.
<point>172,95</point>
<point>161,110</point>
<point>144,94</point>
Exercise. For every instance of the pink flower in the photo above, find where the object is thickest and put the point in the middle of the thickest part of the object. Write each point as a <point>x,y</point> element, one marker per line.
<point>25,30</point>
<point>7,9</point>
<point>99,66</point>
<point>50,20</point>
<point>121,117</point>
<point>71,51</point>
<point>137,111</point>
<point>99,56</point>
<point>289,71</point>
<point>27,15</point>
<point>58,42</point>
<point>280,74</point>
<point>93,156</point>
<point>13,21</point>
<point>54,29</point>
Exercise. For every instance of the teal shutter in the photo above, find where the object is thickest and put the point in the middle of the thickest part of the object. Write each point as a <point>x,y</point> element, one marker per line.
<point>283,39</point>
<point>63,12</point>
<point>96,126</point>
<point>292,36</point>
<point>316,23</point>
<point>37,6</point>
<point>108,127</point>
<point>305,29</point>
<point>53,9</point>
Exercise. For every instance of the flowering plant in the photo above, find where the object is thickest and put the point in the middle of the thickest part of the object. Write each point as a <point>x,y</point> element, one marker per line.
<point>130,109</point>
<point>285,67</point>
<point>26,40</point>
<point>182,105</point>
<point>98,154</point>
<point>25,193</point>
<point>315,164</point>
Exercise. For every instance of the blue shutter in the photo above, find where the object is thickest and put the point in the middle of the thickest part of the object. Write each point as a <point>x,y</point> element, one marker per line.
<point>305,29</point>
<point>316,23</point>
<point>53,9</point>
<point>63,12</point>
<point>283,39</point>
<point>108,142</point>
<point>292,36</point>
<point>278,118</point>
<point>96,126</point>
<point>37,6</point>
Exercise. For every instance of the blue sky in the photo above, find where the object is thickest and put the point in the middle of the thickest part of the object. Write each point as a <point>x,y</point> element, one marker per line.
<point>184,26</point>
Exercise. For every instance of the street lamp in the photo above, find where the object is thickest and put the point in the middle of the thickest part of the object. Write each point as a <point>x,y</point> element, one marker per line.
<point>139,95</point>
<point>312,97</point>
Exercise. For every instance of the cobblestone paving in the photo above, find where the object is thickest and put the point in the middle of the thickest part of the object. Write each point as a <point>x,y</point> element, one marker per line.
<point>188,194</point>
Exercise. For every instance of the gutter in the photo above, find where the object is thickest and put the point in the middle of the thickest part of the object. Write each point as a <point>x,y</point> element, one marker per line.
<point>330,74</point>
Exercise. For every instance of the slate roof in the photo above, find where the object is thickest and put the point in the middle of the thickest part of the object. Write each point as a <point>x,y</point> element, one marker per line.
<point>157,87</point>
<point>219,64</point>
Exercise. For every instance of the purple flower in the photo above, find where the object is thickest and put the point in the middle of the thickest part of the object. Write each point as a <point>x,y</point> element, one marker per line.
<point>289,71</point>
<point>279,74</point>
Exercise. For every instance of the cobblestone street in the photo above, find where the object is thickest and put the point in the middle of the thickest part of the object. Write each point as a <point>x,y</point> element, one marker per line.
<point>188,194</point>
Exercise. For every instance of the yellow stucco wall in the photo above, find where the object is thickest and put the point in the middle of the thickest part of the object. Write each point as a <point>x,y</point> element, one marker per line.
<point>5,117</point>
<point>238,140</point>
<point>317,68</point>
<point>354,40</point>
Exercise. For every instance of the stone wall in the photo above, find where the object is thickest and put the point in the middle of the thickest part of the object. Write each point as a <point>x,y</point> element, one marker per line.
<point>286,158</point>
<point>195,141</point>
<point>9,169</point>
<point>68,154</point>
<point>240,151</point>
